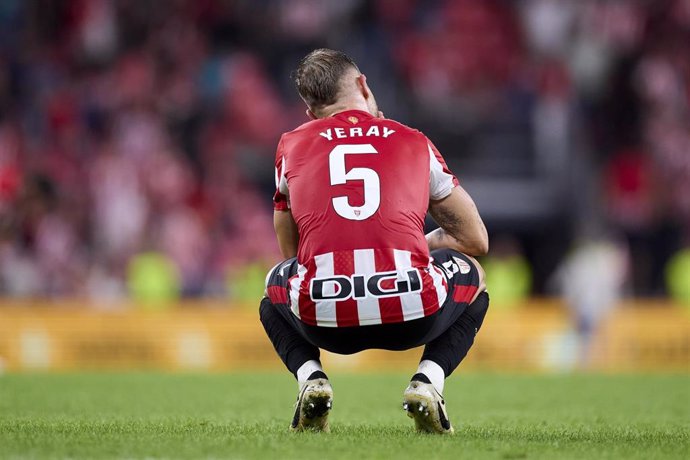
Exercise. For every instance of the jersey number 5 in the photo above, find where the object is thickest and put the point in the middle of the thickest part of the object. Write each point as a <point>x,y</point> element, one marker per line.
<point>372,184</point>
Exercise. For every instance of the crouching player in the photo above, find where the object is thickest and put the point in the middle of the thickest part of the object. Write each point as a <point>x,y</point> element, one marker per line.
<point>353,190</point>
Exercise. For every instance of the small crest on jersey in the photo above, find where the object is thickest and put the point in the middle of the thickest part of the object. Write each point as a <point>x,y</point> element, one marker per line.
<point>464,266</point>
<point>353,120</point>
<point>357,212</point>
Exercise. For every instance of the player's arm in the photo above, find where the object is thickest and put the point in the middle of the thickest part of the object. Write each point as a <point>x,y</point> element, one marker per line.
<point>286,231</point>
<point>283,222</point>
<point>461,226</point>
<point>453,210</point>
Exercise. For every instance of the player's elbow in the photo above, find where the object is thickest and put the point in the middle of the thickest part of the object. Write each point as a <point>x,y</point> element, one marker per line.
<point>481,241</point>
<point>480,247</point>
<point>483,248</point>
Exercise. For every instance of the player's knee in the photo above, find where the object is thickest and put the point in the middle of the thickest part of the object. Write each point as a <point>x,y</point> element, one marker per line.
<point>265,309</point>
<point>478,266</point>
<point>481,283</point>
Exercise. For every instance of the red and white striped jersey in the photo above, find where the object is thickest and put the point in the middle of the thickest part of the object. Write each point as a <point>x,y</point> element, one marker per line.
<point>358,188</point>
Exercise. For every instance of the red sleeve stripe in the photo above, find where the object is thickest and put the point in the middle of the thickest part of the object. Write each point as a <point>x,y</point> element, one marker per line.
<point>277,294</point>
<point>463,294</point>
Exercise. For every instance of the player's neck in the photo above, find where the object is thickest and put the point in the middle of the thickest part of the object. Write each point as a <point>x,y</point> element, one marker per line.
<point>344,106</point>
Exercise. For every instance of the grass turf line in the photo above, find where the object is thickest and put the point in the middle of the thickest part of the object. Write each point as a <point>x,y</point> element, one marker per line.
<point>148,415</point>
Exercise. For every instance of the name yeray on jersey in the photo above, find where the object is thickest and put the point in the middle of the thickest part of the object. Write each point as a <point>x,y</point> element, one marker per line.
<point>355,131</point>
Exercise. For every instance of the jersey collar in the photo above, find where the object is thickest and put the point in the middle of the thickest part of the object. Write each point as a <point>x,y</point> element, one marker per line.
<point>352,112</point>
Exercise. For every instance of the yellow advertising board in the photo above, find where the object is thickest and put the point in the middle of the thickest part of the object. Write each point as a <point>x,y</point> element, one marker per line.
<point>213,336</point>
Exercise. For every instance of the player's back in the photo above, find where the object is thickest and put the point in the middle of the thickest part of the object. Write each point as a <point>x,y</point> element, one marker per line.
<point>357,182</point>
<point>358,189</point>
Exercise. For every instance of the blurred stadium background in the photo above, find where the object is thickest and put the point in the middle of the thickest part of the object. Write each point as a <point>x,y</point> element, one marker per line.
<point>136,171</point>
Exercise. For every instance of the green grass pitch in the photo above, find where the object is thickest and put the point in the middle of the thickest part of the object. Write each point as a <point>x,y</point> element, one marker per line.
<point>145,415</point>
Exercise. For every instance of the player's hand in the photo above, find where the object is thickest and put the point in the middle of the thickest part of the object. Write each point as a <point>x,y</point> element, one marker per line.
<point>381,115</point>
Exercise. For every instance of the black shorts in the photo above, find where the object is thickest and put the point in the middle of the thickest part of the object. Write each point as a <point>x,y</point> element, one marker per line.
<point>463,281</point>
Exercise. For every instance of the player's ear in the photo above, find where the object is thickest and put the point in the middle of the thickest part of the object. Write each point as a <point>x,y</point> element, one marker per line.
<point>311,115</point>
<point>362,85</point>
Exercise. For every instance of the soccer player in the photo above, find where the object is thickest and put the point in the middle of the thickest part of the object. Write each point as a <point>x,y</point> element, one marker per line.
<point>353,189</point>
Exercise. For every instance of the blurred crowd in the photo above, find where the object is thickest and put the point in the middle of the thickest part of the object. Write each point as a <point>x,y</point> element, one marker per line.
<point>137,136</point>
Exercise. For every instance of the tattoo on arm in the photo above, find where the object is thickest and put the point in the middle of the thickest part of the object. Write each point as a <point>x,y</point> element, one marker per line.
<point>449,222</point>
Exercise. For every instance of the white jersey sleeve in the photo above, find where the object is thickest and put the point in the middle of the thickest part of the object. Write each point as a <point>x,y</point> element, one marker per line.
<point>281,201</point>
<point>441,180</point>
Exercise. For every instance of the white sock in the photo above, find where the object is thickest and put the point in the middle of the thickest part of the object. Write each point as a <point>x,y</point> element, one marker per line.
<point>434,372</point>
<point>306,369</point>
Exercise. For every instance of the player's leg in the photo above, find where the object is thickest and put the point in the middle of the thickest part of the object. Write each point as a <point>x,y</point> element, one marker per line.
<point>456,326</point>
<point>299,355</point>
<point>460,320</point>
